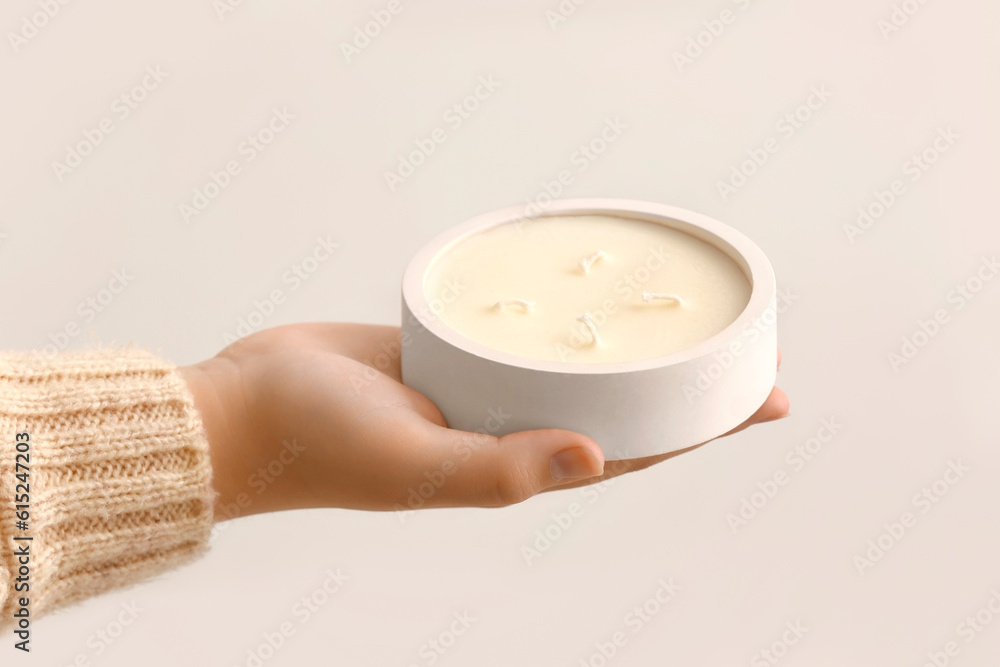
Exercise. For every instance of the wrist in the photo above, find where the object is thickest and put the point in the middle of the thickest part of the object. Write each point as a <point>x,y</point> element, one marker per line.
<point>219,430</point>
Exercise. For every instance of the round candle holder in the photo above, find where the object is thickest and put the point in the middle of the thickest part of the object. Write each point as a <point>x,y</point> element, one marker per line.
<point>632,409</point>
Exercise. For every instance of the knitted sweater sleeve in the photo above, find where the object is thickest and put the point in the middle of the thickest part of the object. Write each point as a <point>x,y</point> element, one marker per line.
<point>116,479</point>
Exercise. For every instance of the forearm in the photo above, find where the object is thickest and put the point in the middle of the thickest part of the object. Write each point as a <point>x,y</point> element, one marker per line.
<point>119,474</point>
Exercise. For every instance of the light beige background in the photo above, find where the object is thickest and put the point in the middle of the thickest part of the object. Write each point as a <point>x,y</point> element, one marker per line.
<point>686,129</point>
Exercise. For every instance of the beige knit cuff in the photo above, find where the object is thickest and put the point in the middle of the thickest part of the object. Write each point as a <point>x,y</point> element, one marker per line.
<point>120,475</point>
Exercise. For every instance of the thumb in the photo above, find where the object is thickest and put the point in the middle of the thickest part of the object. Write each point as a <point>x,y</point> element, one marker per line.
<point>496,472</point>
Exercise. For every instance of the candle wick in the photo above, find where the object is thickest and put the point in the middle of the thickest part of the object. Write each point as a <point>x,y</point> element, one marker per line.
<point>591,327</point>
<point>526,306</point>
<point>661,296</point>
<point>588,262</point>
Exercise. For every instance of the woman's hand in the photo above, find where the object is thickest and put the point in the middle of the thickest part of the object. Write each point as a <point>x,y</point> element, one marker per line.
<point>298,416</point>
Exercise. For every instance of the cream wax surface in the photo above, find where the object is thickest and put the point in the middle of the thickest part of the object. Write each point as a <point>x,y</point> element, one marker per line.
<point>586,289</point>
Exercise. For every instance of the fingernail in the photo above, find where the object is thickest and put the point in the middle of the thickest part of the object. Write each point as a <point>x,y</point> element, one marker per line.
<point>574,463</point>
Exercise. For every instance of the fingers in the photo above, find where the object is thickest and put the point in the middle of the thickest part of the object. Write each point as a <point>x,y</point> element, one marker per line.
<point>774,408</point>
<point>496,472</point>
<point>513,468</point>
<point>480,470</point>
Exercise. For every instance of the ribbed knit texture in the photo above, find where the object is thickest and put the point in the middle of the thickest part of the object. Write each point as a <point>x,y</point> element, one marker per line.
<point>120,473</point>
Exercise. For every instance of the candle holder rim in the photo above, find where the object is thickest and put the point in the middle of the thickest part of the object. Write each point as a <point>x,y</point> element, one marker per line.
<point>748,256</point>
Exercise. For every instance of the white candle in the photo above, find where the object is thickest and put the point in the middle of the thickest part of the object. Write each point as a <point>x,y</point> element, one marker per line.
<point>587,288</point>
<point>571,320</point>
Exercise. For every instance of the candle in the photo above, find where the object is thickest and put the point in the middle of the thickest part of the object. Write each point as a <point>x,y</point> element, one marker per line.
<point>588,289</point>
<point>646,327</point>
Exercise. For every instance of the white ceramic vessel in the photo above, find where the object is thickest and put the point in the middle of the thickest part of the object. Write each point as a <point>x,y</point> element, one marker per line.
<point>632,409</point>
